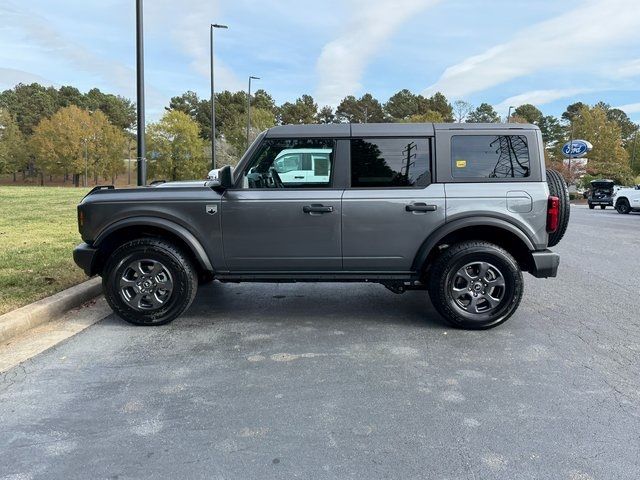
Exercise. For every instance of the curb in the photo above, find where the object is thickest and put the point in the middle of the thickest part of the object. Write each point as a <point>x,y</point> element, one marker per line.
<point>24,318</point>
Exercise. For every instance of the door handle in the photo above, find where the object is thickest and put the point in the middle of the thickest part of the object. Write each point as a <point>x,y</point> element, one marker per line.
<point>420,207</point>
<point>299,178</point>
<point>315,208</point>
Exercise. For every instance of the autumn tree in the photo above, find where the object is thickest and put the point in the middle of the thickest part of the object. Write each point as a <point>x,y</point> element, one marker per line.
<point>175,149</point>
<point>608,159</point>
<point>75,141</point>
<point>13,155</point>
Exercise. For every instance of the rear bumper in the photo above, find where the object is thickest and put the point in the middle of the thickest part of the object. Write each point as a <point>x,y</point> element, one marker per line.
<point>601,201</point>
<point>545,264</point>
<point>84,255</point>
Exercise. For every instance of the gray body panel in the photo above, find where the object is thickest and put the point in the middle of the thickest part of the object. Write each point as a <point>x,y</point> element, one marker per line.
<point>378,233</point>
<point>267,230</point>
<point>264,234</point>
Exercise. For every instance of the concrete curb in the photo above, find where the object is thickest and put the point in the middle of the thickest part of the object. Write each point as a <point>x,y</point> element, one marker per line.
<point>22,319</point>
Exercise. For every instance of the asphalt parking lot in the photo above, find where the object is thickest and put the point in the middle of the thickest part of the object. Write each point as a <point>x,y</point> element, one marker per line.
<point>349,381</point>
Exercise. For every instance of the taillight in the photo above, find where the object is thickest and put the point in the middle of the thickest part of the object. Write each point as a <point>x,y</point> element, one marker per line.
<point>553,214</point>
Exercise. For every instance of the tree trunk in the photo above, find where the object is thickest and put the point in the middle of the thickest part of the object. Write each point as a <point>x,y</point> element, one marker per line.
<point>14,177</point>
<point>76,180</point>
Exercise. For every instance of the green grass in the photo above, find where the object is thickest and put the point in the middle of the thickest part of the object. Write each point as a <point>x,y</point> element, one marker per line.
<point>38,230</point>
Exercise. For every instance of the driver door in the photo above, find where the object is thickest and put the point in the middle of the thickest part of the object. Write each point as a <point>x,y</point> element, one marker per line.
<point>273,223</point>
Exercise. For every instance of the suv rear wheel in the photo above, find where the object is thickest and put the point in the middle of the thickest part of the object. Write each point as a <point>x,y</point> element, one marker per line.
<point>622,206</point>
<point>149,281</point>
<point>475,285</point>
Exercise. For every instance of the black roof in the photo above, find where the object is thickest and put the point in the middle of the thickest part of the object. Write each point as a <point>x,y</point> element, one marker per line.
<point>384,129</point>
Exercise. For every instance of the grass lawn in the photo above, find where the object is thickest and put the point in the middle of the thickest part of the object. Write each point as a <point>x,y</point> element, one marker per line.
<point>38,230</point>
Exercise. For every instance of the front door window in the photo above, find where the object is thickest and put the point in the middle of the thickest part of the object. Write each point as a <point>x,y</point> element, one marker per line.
<point>291,163</point>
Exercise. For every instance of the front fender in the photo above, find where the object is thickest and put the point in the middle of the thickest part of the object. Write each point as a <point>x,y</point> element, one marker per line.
<point>178,230</point>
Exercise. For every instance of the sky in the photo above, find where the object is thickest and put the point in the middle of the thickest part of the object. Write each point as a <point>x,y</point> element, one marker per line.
<point>547,52</point>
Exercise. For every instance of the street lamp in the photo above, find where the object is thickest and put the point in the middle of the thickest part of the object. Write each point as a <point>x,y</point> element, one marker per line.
<point>249,107</point>
<point>142,164</point>
<point>213,101</point>
<point>509,114</point>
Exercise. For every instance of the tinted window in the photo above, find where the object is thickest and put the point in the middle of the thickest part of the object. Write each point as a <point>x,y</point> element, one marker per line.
<point>291,163</point>
<point>390,162</point>
<point>489,156</point>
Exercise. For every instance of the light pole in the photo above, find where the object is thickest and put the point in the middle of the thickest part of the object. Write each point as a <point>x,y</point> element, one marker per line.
<point>213,100</point>
<point>251,77</point>
<point>141,153</point>
<point>509,114</point>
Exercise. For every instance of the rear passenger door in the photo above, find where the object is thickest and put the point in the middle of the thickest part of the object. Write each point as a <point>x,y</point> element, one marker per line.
<point>391,205</point>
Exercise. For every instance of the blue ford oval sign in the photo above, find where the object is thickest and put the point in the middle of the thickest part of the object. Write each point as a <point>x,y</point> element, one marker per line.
<point>576,148</point>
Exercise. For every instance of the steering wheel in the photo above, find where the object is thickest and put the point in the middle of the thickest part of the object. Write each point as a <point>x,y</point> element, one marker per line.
<point>277,181</point>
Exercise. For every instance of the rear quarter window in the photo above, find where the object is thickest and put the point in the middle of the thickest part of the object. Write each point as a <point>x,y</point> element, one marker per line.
<point>490,156</point>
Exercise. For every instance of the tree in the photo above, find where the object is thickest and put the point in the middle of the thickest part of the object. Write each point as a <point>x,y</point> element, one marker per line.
<point>199,110</point>
<point>120,111</point>
<point>175,148</point>
<point>608,159</point>
<point>437,103</point>
<point>461,109</point>
<point>528,112</point>
<point>325,115</point>
<point>13,154</point>
<point>29,104</point>
<point>262,100</point>
<point>402,105</point>
<point>485,113</point>
<point>572,110</point>
<point>73,141</point>
<point>551,129</point>
<point>428,117</point>
<point>366,109</point>
<point>304,110</point>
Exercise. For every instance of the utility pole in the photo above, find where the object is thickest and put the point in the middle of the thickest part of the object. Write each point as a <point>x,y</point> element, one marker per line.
<point>213,99</point>
<point>249,108</point>
<point>633,150</point>
<point>141,153</point>
<point>410,156</point>
<point>509,114</point>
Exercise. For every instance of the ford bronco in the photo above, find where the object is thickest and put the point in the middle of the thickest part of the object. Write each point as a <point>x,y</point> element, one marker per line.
<point>459,210</point>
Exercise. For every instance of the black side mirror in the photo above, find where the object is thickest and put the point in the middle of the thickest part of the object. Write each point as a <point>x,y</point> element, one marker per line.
<point>220,178</point>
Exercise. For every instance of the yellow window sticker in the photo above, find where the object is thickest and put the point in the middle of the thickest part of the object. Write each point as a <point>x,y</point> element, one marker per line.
<point>461,163</point>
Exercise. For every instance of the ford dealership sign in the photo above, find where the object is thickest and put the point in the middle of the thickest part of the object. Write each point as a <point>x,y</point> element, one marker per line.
<point>576,148</point>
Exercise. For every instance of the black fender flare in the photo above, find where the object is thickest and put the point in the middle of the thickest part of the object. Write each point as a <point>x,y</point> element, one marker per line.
<point>178,230</point>
<point>460,223</point>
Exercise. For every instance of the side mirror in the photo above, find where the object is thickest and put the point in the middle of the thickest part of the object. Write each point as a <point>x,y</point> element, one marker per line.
<point>220,178</point>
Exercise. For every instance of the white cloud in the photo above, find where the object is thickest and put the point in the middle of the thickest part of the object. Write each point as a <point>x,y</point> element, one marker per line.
<point>539,97</point>
<point>343,60</point>
<point>630,108</point>
<point>629,69</point>
<point>10,77</point>
<point>575,40</point>
<point>54,42</point>
<point>188,24</point>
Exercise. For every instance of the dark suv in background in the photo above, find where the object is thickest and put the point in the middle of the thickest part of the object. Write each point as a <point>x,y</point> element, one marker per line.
<point>460,210</point>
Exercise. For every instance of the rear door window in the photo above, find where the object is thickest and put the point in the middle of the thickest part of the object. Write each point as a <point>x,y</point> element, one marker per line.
<point>390,162</point>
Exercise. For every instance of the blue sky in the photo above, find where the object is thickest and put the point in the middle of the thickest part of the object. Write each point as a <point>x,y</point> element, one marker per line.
<point>547,52</point>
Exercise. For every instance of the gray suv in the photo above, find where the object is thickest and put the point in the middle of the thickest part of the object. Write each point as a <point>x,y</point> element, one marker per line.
<point>460,210</point>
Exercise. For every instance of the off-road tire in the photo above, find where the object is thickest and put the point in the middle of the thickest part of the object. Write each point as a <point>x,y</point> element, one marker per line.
<point>442,275</point>
<point>591,206</point>
<point>183,275</point>
<point>558,188</point>
<point>623,206</point>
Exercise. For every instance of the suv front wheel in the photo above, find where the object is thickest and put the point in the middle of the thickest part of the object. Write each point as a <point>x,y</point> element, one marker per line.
<point>149,281</point>
<point>475,285</point>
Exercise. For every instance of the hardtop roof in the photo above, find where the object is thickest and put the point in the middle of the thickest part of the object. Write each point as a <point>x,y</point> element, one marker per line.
<point>334,130</point>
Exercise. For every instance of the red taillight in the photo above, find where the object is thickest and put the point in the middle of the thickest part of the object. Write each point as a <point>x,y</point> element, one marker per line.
<point>553,214</point>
